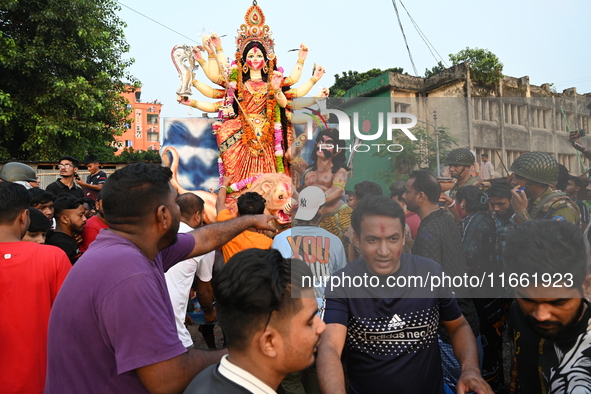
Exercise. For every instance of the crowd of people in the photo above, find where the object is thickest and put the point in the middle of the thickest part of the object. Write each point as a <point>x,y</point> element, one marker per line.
<point>97,277</point>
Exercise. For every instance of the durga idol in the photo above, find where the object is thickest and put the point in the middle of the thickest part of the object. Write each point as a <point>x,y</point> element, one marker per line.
<point>254,127</point>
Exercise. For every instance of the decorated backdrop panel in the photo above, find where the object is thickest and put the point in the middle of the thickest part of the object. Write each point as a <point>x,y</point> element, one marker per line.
<point>195,143</point>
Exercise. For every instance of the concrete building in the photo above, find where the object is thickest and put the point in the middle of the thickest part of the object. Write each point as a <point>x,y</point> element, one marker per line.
<point>143,132</point>
<point>505,122</point>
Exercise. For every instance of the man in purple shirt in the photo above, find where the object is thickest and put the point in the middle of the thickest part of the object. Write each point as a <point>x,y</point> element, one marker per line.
<point>112,326</point>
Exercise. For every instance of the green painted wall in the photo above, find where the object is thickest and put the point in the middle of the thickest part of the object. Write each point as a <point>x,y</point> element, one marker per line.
<point>368,100</point>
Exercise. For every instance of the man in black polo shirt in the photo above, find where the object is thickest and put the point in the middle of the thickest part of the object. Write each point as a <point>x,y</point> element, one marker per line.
<point>69,221</point>
<point>68,167</point>
<point>94,181</point>
<point>439,239</point>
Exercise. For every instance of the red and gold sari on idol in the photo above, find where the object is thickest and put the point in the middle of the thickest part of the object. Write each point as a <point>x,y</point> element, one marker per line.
<point>247,157</point>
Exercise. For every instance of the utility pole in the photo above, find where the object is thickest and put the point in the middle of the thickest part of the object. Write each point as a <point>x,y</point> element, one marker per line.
<point>437,143</point>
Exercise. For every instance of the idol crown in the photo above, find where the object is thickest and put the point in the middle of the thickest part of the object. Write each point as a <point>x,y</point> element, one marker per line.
<point>255,30</point>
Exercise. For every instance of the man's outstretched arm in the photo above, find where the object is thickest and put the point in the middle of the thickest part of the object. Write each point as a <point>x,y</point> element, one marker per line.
<point>213,236</point>
<point>174,375</point>
<point>466,352</point>
<point>328,363</point>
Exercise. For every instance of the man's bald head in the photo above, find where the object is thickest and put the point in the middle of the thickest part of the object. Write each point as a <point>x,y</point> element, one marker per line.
<point>190,204</point>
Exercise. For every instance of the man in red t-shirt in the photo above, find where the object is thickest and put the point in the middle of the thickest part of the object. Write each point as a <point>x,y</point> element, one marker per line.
<point>30,276</point>
<point>93,225</point>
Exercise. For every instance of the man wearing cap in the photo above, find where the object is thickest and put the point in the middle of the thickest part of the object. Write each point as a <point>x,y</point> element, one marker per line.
<point>323,251</point>
<point>324,254</point>
<point>37,230</point>
<point>68,167</point>
<point>95,180</point>
<point>533,199</point>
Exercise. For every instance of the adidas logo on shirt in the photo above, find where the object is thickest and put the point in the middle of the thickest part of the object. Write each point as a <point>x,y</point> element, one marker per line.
<point>396,322</point>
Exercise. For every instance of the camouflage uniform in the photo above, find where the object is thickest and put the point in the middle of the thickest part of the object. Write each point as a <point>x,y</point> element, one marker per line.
<point>472,181</point>
<point>557,207</point>
<point>542,168</point>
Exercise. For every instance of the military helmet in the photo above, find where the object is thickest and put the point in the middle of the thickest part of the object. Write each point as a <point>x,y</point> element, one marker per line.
<point>460,157</point>
<point>15,171</point>
<point>539,167</point>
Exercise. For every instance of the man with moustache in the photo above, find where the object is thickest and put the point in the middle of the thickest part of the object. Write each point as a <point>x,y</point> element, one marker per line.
<point>68,167</point>
<point>112,326</point>
<point>550,322</point>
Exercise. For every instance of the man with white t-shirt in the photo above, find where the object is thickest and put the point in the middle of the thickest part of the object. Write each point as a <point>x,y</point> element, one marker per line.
<point>180,277</point>
<point>323,251</point>
<point>324,254</point>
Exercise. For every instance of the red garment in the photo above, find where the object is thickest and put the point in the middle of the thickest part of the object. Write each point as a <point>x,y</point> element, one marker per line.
<point>30,277</point>
<point>91,230</point>
<point>414,221</point>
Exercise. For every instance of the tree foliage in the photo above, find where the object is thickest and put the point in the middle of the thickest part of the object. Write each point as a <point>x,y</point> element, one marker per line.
<point>485,66</point>
<point>129,155</point>
<point>62,69</point>
<point>420,154</point>
<point>351,79</point>
<point>434,70</point>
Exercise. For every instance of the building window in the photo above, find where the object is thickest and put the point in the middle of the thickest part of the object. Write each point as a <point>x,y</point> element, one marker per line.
<point>152,119</point>
<point>152,137</point>
<point>515,114</point>
<point>512,155</point>
<point>128,143</point>
<point>562,120</point>
<point>540,118</point>
<point>401,108</point>
<point>584,123</point>
<point>569,161</point>
<point>484,109</point>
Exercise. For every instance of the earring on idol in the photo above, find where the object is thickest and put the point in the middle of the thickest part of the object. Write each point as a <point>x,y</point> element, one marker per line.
<point>266,68</point>
<point>245,68</point>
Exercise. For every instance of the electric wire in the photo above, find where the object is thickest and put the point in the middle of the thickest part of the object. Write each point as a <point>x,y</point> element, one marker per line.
<point>155,21</point>
<point>405,40</point>
<point>424,37</point>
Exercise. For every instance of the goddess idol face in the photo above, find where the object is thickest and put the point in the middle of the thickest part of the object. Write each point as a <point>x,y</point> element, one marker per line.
<point>255,59</point>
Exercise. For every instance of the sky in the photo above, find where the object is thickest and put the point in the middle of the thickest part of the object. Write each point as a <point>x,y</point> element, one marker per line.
<point>546,40</point>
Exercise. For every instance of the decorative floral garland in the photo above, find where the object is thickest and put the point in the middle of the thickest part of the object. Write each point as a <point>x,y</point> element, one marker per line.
<point>278,141</point>
<point>236,187</point>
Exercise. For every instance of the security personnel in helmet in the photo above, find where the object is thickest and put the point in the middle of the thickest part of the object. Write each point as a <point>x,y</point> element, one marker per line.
<point>19,173</point>
<point>533,199</point>
<point>459,161</point>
